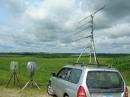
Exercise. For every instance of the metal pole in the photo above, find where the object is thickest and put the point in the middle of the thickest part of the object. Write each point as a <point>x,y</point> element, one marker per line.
<point>92,41</point>
<point>17,80</point>
<point>26,85</point>
<point>90,59</point>
<point>14,76</point>
<point>80,55</point>
<point>9,80</point>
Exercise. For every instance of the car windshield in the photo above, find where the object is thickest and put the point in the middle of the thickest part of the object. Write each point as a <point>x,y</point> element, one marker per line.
<point>104,80</point>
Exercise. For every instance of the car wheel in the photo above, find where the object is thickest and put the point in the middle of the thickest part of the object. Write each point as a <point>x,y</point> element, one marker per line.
<point>66,96</point>
<point>49,89</point>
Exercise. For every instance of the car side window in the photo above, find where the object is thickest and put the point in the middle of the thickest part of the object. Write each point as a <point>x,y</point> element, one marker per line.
<point>75,76</point>
<point>64,73</point>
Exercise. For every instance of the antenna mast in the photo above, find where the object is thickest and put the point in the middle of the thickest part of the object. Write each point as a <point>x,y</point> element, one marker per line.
<point>92,45</point>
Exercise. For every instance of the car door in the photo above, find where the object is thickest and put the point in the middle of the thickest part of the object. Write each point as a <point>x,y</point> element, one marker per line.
<point>72,82</point>
<point>59,81</point>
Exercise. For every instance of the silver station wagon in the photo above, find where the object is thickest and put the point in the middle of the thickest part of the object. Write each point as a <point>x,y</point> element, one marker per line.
<point>86,81</point>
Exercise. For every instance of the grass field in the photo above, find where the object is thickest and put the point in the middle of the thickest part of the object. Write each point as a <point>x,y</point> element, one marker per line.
<point>48,65</point>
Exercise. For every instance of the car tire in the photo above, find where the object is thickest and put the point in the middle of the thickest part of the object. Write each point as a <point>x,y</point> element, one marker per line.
<point>50,91</point>
<point>66,96</point>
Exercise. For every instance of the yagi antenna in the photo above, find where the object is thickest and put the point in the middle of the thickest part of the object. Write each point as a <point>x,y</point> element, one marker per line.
<point>89,23</point>
<point>89,36</point>
<point>92,48</point>
<point>99,10</point>
<point>92,14</point>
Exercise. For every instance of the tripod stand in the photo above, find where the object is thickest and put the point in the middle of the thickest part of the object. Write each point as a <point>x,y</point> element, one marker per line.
<point>14,77</point>
<point>31,82</point>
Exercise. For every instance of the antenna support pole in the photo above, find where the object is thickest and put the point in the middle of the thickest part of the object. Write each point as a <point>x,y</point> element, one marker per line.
<point>92,41</point>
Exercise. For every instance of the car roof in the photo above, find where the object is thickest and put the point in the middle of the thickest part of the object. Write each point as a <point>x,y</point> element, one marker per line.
<point>91,68</point>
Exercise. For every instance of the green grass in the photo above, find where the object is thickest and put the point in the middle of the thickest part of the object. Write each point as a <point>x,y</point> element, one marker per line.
<point>48,65</point>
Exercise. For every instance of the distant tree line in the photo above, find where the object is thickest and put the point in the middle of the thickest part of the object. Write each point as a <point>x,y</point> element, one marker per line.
<point>59,55</point>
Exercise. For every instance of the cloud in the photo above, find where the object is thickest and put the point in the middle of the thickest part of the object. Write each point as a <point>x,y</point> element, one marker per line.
<point>51,25</point>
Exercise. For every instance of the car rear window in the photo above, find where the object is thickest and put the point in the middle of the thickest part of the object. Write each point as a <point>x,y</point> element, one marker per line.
<point>104,80</point>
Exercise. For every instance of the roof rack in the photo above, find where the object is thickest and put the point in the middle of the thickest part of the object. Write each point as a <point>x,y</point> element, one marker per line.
<point>96,65</point>
<point>101,65</point>
<point>76,63</point>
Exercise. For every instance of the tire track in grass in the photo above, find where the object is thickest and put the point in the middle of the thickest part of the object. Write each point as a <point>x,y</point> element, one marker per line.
<point>129,91</point>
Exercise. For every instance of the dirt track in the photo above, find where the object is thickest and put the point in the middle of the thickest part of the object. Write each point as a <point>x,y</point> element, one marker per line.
<point>129,91</point>
<point>12,92</point>
<point>8,92</point>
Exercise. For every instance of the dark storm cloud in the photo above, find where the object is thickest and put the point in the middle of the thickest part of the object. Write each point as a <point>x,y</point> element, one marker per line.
<point>115,11</point>
<point>127,35</point>
<point>117,8</point>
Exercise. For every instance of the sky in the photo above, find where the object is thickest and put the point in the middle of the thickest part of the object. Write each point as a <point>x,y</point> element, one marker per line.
<point>53,25</point>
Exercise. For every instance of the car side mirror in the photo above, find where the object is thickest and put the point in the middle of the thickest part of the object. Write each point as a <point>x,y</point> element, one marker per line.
<point>54,74</point>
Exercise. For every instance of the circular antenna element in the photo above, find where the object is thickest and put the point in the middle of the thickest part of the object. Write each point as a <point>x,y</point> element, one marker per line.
<point>13,66</point>
<point>31,66</point>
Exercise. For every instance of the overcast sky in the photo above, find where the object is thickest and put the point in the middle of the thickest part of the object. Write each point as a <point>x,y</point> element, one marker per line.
<point>50,25</point>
